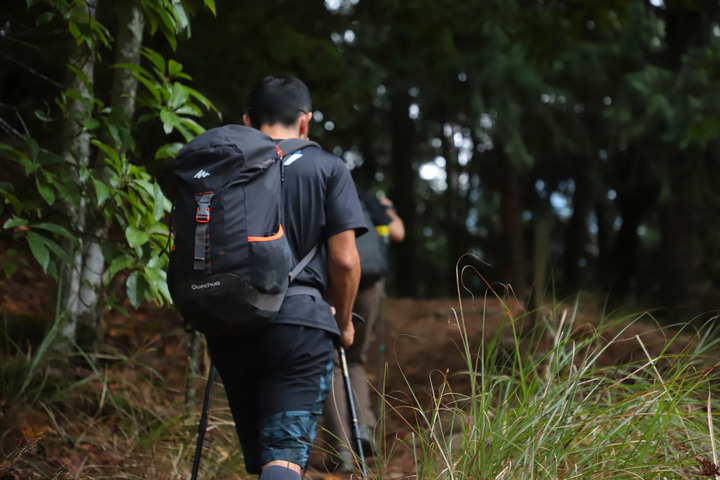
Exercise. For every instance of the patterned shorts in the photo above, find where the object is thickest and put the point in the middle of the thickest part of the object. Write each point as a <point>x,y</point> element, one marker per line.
<point>276,382</point>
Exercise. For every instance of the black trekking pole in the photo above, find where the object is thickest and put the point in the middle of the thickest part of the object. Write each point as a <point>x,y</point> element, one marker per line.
<point>380,334</point>
<point>351,403</point>
<point>202,428</point>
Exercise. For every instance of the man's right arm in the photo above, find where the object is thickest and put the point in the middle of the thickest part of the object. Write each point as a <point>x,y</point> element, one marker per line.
<point>344,271</point>
<point>396,225</point>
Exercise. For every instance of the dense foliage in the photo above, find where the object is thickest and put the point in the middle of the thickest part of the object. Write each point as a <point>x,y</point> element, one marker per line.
<point>80,193</point>
<point>570,145</point>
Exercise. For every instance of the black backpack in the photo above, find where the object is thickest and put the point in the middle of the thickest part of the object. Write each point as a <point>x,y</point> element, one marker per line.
<point>231,264</point>
<point>373,251</point>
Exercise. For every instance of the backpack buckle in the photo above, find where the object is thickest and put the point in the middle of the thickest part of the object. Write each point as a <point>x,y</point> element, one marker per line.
<point>204,215</point>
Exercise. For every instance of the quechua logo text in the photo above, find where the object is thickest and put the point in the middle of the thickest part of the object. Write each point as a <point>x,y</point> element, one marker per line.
<point>201,286</point>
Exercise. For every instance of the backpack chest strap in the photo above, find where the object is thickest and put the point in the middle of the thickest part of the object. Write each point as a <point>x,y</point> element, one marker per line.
<point>202,220</point>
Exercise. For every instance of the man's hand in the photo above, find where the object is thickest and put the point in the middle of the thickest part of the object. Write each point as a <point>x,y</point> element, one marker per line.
<point>347,335</point>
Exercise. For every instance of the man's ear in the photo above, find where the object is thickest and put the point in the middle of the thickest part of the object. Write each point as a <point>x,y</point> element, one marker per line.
<point>246,120</point>
<point>304,124</point>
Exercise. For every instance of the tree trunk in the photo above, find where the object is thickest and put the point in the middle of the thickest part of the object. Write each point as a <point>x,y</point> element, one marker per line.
<point>626,248</point>
<point>79,294</point>
<point>680,243</point>
<point>131,25</point>
<point>81,301</point>
<point>403,193</point>
<point>576,233</point>
<point>542,242</point>
<point>512,228</point>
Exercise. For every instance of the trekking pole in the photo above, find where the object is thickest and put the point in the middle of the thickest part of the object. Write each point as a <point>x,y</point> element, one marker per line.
<point>351,403</point>
<point>202,428</point>
<point>381,347</point>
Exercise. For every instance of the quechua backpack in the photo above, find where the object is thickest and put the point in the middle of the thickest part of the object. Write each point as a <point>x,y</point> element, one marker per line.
<point>231,264</point>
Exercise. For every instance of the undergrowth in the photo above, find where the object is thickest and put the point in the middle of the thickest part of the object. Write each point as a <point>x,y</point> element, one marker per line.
<point>536,399</point>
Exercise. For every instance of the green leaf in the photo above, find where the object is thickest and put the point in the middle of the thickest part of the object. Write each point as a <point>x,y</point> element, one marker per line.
<point>160,229</point>
<point>133,67</point>
<point>34,148</point>
<point>211,5</point>
<point>9,264</point>
<point>136,237</point>
<point>15,222</point>
<point>152,87</point>
<point>152,21</point>
<point>38,249</point>
<point>102,191</point>
<point>120,263</point>
<point>189,109</point>
<point>68,190</point>
<point>8,152</point>
<point>146,188</point>
<point>40,115</point>
<point>170,37</point>
<point>136,286</point>
<point>180,16</point>
<point>156,60</point>
<point>44,18</point>
<point>61,253</point>
<point>169,150</point>
<point>179,96</point>
<point>159,203</point>
<point>75,32</point>
<point>46,190</point>
<point>91,123</point>
<point>109,151</point>
<point>192,125</point>
<point>54,228</point>
<point>174,68</point>
<point>83,78</point>
<point>170,121</point>
<point>6,192</point>
<point>202,99</point>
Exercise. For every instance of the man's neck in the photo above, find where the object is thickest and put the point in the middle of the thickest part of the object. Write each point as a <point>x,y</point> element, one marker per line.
<point>279,132</point>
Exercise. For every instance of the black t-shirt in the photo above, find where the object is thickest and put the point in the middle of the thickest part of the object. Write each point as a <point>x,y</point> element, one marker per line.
<point>320,201</point>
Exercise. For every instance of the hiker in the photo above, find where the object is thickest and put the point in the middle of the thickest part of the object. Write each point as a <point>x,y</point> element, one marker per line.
<point>278,378</point>
<point>381,215</point>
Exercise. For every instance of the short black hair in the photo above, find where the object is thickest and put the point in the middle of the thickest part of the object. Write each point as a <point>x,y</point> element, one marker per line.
<point>278,100</point>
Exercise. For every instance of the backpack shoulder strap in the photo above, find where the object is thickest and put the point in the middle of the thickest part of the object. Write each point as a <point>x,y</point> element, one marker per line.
<point>290,145</point>
<point>286,147</point>
<point>299,289</point>
<point>303,263</point>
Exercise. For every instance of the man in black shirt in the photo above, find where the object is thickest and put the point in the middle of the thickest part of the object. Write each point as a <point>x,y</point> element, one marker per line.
<point>277,379</point>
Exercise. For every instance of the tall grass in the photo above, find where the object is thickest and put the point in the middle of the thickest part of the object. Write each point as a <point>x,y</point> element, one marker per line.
<point>537,398</point>
<point>108,415</point>
<point>546,405</point>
